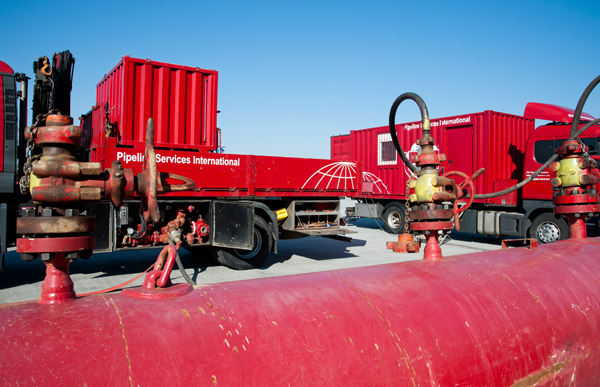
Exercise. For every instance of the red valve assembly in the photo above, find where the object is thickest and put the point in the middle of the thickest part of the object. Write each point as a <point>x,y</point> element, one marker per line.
<point>575,195</point>
<point>435,198</point>
<point>55,229</point>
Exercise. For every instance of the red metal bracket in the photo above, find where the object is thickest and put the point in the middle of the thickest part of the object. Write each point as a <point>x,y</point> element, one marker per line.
<point>533,243</point>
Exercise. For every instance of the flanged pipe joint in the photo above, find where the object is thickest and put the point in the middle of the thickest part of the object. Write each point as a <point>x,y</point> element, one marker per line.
<point>55,229</point>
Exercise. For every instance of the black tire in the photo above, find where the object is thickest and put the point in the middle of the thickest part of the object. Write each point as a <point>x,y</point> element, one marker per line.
<point>547,228</point>
<point>247,259</point>
<point>393,217</point>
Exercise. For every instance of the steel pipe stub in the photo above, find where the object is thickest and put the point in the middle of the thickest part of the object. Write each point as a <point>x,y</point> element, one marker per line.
<point>405,244</point>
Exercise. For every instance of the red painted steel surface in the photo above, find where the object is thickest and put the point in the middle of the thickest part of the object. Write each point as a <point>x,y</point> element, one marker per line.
<point>218,174</point>
<point>182,100</point>
<point>58,286</point>
<point>5,68</point>
<point>514,317</point>
<point>548,112</point>
<point>491,140</point>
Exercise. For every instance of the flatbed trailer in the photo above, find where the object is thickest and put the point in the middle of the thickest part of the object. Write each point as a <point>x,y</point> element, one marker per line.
<point>246,202</point>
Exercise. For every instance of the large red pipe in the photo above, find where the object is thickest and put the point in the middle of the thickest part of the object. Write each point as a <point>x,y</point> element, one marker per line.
<point>514,317</point>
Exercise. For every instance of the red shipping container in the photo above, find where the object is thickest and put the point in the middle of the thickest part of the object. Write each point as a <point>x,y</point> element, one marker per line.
<point>182,100</point>
<point>492,140</point>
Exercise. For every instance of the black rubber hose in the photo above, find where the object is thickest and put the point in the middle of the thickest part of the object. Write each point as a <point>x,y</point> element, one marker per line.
<point>540,169</point>
<point>181,268</point>
<point>424,122</point>
<point>579,108</point>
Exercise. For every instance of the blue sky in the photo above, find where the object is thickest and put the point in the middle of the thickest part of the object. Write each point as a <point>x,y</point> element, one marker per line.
<point>291,74</point>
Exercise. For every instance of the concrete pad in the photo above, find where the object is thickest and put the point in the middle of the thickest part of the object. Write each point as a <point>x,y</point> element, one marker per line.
<point>22,280</point>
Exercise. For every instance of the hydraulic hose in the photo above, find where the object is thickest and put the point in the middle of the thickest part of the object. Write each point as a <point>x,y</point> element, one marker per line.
<point>181,268</point>
<point>424,122</point>
<point>579,108</point>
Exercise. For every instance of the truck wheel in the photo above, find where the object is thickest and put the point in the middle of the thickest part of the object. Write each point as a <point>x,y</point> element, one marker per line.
<point>547,228</point>
<point>393,217</point>
<point>247,259</point>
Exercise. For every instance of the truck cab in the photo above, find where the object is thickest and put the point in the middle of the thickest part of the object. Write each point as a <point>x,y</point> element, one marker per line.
<point>545,139</point>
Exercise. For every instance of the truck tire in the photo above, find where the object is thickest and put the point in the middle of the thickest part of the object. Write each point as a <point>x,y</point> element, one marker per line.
<point>247,259</point>
<point>547,228</point>
<point>393,217</point>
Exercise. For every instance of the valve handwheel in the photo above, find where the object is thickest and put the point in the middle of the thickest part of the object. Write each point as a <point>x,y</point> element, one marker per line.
<point>467,183</point>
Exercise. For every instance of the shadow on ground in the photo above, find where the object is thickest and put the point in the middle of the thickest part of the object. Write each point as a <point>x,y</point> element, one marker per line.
<point>312,247</point>
<point>128,262</point>
<point>133,262</point>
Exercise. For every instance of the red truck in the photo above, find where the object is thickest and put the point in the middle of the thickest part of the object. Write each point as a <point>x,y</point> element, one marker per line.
<point>508,146</point>
<point>241,205</point>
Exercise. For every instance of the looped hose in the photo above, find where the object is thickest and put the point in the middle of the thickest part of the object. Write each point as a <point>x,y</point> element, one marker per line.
<point>392,124</point>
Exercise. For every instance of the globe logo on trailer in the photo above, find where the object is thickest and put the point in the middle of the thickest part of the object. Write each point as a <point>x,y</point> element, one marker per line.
<point>341,175</point>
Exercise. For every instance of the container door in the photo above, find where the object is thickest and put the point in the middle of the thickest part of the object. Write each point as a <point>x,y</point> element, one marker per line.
<point>460,149</point>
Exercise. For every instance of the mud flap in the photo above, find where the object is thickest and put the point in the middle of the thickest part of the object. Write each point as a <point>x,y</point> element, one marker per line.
<point>232,224</point>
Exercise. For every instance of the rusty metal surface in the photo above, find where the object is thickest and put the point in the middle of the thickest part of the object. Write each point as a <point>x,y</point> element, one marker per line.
<point>431,158</point>
<point>514,317</point>
<point>64,135</point>
<point>56,225</point>
<point>53,191</point>
<point>65,168</point>
<point>58,120</point>
<point>147,184</point>
<point>436,213</point>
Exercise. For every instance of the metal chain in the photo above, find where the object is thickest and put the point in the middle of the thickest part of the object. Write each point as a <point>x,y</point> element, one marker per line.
<point>406,206</point>
<point>25,180</point>
<point>586,155</point>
